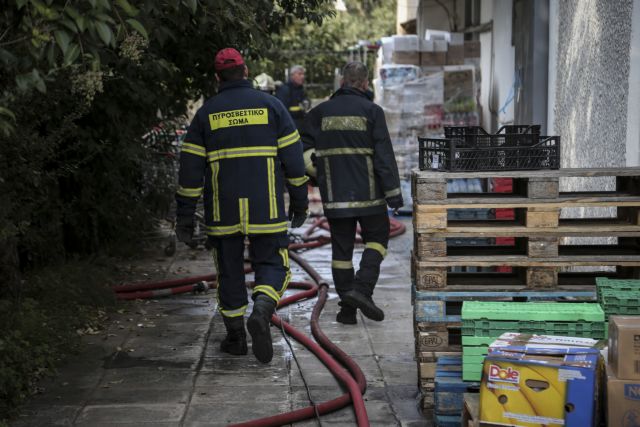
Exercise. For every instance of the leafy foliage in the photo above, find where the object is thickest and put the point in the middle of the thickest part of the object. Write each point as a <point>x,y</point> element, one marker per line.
<point>81,83</point>
<point>43,327</point>
<point>321,52</point>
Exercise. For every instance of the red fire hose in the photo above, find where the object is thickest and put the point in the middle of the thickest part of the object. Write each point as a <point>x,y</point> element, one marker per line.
<point>352,378</point>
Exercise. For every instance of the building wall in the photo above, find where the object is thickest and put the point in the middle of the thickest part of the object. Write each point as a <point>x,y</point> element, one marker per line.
<point>592,81</point>
<point>405,11</point>
<point>433,16</point>
<point>495,92</point>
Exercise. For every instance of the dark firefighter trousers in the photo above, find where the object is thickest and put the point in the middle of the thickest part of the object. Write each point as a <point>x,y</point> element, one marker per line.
<point>374,230</point>
<point>269,261</point>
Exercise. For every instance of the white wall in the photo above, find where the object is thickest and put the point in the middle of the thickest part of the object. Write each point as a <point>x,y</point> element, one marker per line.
<point>494,92</point>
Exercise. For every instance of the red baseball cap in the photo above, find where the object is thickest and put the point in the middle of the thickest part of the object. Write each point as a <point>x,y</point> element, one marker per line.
<point>228,58</point>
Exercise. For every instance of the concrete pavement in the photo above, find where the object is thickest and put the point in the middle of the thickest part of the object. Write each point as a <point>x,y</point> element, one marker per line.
<point>158,362</point>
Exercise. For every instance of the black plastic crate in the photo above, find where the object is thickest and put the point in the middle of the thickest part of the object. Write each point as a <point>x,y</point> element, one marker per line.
<point>508,135</point>
<point>472,149</point>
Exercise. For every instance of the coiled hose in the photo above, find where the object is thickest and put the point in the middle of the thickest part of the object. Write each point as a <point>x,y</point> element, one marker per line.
<point>329,353</point>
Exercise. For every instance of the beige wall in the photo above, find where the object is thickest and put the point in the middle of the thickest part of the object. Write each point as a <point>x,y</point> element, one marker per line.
<point>406,11</point>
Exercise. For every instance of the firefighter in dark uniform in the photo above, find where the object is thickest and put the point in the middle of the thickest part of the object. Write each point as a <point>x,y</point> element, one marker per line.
<point>293,96</point>
<point>241,150</point>
<point>358,177</point>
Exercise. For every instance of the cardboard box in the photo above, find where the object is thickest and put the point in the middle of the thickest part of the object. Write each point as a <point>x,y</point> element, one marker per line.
<point>405,43</point>
<point>406,58</point>
<point>430,59</point>
<point>426,46</point>
<point>624,347</point>
<point>623,401</point>
<point>540,380</point>
<point>440,45</point>
<point>455,55</point>
<point>472,49</point>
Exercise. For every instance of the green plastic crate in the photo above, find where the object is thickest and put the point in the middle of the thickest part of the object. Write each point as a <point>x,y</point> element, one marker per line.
<point>536,311</point>
<point>472,372</point>
<point>604,284</point>
<point>468,340</point>
<point>475,351</point>
<point>484,327</point>
<point>472,359</point>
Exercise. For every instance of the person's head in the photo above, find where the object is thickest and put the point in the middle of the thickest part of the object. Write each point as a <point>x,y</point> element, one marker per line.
<point>229,65</point>
<point>296,75</point>
<point>355,75</point>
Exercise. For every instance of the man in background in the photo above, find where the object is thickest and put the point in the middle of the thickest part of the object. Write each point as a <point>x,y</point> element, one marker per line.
<point>293,96</point>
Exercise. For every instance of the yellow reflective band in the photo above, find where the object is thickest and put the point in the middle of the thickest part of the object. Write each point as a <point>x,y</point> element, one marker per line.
<point>284,253</point>
<point>271,183</point>
<point>215,168</point>
<point>197,150</point>
<point>251,116</point>
<point>295,108</point>
<point>234,313</point>
<point>355,123</point>
<point>287,140</point>
<point>344,151</point>
<point>370,177</point>
<point>377,247</point>
<point>223,230</point>
<point>391,193</point>
<point>348,205</point>
<point>189,192</point>
<point>230,153</point>
<point>277,227</point>
<point>267,290</point>
<point>341,265</point>
<point>298,181</point>
<point>327,174</point>
<point>244,215</point>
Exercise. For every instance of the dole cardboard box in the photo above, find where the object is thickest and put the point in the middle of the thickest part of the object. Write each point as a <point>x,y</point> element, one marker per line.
<point>624,347</point>
<point>540,381</point>
<point>623,401</point>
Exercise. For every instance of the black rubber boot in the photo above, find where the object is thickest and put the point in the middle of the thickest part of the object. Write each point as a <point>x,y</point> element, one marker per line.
<point>236,340</point>
<point>364,303</point>
<point>258,326</point>
<point>347,314</point>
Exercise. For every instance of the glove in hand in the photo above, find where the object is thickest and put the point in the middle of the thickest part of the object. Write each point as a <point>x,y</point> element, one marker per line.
<point>395,202</point>
<point>184,229</point>
<point>297,217</point>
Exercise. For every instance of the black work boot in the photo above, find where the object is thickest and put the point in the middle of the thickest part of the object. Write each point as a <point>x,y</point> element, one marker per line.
<point>258,326</point>
<point>347,314</point>
<point>236,340</point>
<point>364,303</point>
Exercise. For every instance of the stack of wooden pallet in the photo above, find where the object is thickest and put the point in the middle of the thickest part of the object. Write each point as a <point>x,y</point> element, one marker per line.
<point>540,265</point>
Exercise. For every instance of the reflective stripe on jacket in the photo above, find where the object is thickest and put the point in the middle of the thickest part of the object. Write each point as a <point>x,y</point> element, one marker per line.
<point>356,166</point>
<point>241,150</point>
<point>293,96</point>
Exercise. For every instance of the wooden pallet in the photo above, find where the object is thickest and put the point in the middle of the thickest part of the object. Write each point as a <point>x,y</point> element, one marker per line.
<point>537,203</point>
<point>450,302</point>
<point>427,247</point>
<point>471,410</point>
<point>528,273</point>
<point>429,186</point>
<point>427,361</point>
<point>439,337</point>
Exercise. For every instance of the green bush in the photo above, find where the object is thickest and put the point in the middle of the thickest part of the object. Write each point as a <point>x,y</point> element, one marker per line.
<point>40,324</point>
<point>81,84</point>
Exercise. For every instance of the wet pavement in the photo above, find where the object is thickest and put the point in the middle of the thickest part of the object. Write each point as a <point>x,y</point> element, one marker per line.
<point>158,362</point>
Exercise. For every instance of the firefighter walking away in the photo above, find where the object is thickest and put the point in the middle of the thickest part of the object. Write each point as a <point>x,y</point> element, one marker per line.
<point>348,140</point>
<point>241,150</point>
